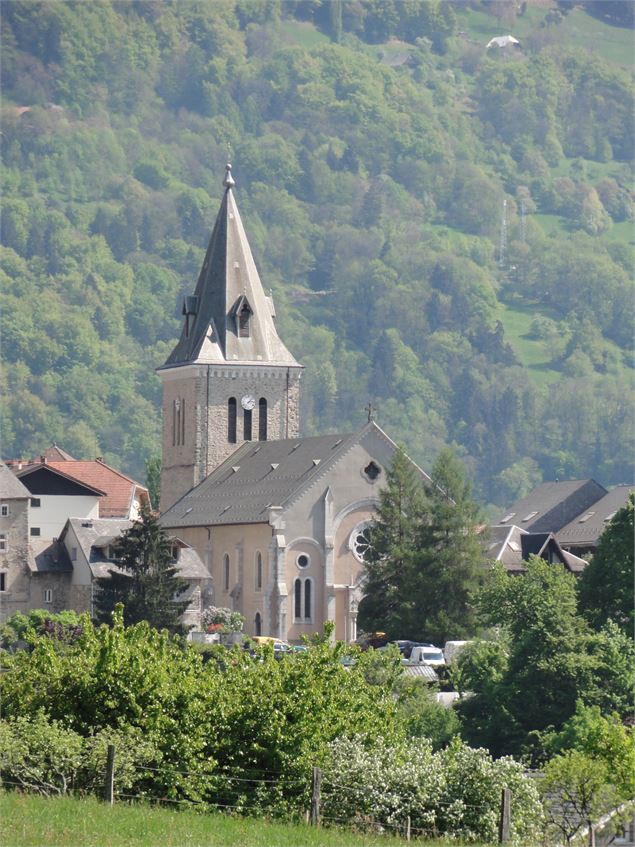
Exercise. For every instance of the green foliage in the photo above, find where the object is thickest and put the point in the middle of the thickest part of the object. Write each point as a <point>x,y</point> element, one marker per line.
<point>583,788</point>
<point>425,556</point>
<point>42,756</point>
<point>373,199</point>
<point>603,738</point>
<point>605,589</point>
<point>423,715</point>
<point>145,581</point>
<point>64,627</point>
<point>550,661</point>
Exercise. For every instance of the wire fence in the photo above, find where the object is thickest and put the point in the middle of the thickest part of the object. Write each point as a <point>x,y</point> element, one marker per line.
<point>276,793</point>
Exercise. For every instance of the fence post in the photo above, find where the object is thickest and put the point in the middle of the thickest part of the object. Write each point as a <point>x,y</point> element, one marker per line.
<point>408,828</point>
<point>505,816</point>
<point>315,797</point>
<point>109,781</point>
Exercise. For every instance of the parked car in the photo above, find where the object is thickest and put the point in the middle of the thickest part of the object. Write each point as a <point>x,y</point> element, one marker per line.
<point>405,646</point>
<point>426,655</point>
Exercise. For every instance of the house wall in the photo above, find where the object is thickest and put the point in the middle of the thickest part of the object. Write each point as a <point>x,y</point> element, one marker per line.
<point>14,560</point>
<point>59,584</point>
<point>55,509</point>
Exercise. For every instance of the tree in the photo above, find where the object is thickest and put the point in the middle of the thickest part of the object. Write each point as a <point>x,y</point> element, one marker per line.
<point>389,563</point>
<point>553,660</point>
<point>425,556</point>
<point>146,580</point>
<point>450,554</point>
<point>605,589</point>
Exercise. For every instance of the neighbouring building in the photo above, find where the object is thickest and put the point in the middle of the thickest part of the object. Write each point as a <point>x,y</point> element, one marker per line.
<point>575,511</point>
<point>54,545</point>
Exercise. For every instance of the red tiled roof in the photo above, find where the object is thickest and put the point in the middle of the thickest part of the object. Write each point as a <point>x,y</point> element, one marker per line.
<point>120,489</point>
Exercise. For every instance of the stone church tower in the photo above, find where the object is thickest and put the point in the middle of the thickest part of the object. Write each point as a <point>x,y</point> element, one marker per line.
<point>230,379</point>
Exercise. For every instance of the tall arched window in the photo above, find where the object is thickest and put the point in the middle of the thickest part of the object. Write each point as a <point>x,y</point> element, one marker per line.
<point>226,572</point>
<point>297,600</point>
<point>258,571</point>
<point>247,425</point>
<point>262,419</point>
<point>231,420</point>
<point>302,599</point>
<point>307,599</point>
<point>258,624</point>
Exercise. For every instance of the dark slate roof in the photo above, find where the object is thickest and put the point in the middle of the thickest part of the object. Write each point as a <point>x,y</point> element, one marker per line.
<point>48,557</point>
<point>10,487</point>
<point>552,505</point>
<point>585,530</point>
<point>42,478</point>
<point>258,476</point>
<point>228,278</point>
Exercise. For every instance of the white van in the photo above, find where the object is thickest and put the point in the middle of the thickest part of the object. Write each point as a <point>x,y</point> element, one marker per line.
<point>452,649</point>
<point>426,655</point>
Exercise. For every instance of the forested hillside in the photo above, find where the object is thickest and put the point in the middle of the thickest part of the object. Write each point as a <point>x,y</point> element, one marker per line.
<point>447,229</point>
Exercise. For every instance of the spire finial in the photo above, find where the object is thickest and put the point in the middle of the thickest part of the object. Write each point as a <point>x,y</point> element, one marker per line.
<point>229,181</point>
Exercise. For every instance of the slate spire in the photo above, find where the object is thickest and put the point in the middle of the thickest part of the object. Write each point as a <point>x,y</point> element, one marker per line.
<point>229,318</point>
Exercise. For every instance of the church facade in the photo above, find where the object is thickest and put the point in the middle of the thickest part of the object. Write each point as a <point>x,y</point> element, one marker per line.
<point>278,520</point>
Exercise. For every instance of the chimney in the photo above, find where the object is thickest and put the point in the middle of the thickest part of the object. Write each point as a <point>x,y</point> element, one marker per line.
<point>43,460</point>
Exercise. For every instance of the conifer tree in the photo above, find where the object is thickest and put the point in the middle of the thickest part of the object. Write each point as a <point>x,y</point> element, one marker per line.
<point>450,558</point>
<point>146,580</point>
<point>425,557</point>
<point>389,559</point>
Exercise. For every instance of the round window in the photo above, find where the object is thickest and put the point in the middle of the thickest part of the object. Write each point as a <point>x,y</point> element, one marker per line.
<point>303,561</point>
<point>359,541</point>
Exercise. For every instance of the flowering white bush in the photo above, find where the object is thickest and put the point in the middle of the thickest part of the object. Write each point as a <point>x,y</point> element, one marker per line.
<point>219,619</point>
<point>455,792</point>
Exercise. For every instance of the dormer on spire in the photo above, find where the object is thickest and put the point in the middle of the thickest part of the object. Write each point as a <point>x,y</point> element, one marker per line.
<point>229,181</point>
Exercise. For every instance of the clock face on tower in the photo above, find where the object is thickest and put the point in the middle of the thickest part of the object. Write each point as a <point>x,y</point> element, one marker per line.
<point>248,402</point>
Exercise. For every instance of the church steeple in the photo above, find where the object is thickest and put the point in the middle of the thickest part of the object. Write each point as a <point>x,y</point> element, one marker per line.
<point>229,378</point>
<point>229,318</point>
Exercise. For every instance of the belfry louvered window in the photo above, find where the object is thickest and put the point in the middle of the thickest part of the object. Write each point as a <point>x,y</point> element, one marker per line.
<point>247,421</point>
<point>231,420</point>
<point>262,419</point>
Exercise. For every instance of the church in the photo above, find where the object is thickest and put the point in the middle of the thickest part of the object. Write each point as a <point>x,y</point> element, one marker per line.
<point>277,519</point>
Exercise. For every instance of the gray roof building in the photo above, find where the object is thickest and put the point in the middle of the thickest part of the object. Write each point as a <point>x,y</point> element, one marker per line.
<point>584,531</point>
<point>552,505</point>
<point>512,546</point>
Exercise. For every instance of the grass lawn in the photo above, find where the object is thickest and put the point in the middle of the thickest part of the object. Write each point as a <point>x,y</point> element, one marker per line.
<point>613,43</point>
<point>30,821</point>
<point>516,320</point>
<point>304,34</point>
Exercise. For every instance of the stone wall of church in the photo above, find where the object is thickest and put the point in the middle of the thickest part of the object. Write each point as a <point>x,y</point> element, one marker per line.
<point>196,419</point>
